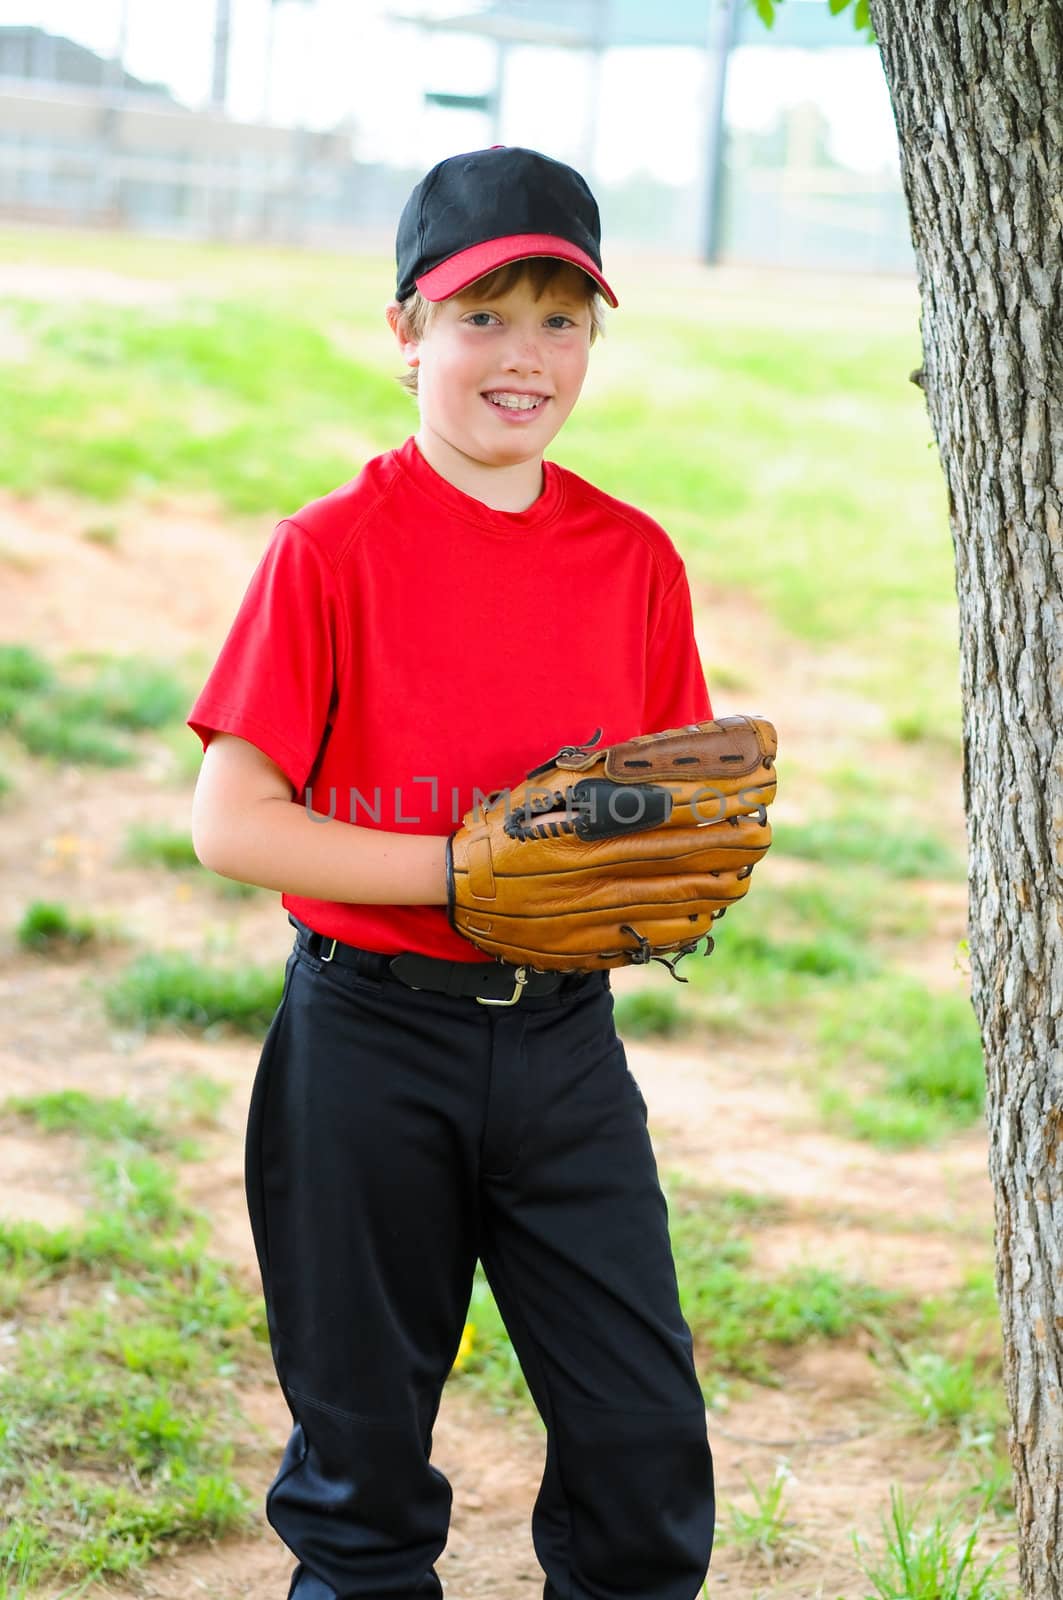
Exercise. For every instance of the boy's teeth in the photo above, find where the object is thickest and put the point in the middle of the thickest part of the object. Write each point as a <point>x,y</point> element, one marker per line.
<point>517,402</point>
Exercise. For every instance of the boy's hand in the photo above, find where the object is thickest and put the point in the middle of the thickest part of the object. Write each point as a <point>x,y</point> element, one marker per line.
<point>604,858</point>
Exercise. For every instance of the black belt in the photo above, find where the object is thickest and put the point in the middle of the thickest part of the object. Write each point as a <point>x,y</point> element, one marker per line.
<point>492,983</point>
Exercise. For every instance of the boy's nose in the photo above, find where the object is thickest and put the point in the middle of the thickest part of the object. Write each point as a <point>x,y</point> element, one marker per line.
<point>524,354</point>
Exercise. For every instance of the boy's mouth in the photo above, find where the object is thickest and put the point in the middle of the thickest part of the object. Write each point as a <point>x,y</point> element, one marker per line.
<point>514,403</point>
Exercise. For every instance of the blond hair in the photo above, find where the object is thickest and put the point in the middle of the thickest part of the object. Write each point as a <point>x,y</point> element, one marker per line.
<point>539,271</point>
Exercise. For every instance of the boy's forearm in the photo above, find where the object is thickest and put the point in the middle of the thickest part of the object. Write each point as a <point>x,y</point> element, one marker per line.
<point>277,845</point>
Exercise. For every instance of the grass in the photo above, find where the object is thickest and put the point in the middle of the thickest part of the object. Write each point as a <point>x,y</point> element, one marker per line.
<point>861,838</point>
<point>91,1116</point>
<point>76,719</point>
<point>199,1099</point>
<point>54,732</point>
<point>47,927</point>
<point>942,1391</point>
<point>117,1411</point>
<point>947,1380</point>
<point>22,669</point>
<point>924,1053</point>
<point>257,410</point>
<point>150,845</point>
<point>765,1531</point>
<point>740,1317</point>
<point>129,692</point>
<point>937,1562</point>
<point>753,975</point>
<point>824,931</point>
<point>174,990</point>
<point>651,1014</point>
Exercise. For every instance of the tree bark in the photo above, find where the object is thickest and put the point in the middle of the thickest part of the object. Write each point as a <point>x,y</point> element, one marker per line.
<point>977,93</point>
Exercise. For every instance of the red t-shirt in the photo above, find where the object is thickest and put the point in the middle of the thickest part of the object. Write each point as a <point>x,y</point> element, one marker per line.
<point>403,648</point>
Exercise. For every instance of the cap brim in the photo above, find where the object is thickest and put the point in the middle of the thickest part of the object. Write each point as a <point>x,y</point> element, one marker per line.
<point>458,271</point>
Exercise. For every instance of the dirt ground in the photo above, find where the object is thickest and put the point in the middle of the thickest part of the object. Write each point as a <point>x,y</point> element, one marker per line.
<point>730,1115</point>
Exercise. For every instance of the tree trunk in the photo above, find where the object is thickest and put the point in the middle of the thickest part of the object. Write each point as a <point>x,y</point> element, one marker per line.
<point>977,92</point>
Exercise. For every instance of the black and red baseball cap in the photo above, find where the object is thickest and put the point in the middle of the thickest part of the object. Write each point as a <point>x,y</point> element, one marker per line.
<point>475,212</point>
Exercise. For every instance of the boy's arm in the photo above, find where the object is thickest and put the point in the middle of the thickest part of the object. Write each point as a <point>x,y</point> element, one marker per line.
<point>244,826</point>
<point>675,678</point>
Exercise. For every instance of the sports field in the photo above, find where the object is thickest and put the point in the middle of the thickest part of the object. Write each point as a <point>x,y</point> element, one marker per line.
<point>815,1092</point>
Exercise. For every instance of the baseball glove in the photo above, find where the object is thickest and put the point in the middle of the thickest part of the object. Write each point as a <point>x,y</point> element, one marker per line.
<point>618,856</point>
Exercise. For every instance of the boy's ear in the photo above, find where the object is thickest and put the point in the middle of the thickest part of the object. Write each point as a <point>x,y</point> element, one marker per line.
<point>399,327</point>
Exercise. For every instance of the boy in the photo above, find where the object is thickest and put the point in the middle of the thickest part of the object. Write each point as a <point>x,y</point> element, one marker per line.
<point>438,626</point>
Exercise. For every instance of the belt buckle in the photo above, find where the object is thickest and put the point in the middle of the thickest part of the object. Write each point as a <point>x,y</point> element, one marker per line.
<point>326,958</point>
<point>520,978</point>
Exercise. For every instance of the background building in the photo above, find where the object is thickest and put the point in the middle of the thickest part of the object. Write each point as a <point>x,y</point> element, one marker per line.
<point>82,140</point>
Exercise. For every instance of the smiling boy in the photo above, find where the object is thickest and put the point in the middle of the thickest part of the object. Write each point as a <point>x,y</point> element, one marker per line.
<point>406,642</point>
<point>528,331</point>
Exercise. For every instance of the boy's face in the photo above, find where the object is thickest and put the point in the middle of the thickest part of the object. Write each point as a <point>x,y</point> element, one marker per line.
<point>498,377</point>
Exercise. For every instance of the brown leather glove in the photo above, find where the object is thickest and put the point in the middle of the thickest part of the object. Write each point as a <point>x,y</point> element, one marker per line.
<point>604,858</point>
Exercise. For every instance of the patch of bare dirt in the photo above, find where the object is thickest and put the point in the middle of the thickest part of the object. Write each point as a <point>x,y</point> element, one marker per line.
<point>735,1116</point>
<point>42,1180</point>
<point>81,284</point>
<point>165,582</point>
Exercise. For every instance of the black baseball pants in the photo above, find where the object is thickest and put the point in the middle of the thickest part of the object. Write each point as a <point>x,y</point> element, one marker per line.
<point>395,1136</point>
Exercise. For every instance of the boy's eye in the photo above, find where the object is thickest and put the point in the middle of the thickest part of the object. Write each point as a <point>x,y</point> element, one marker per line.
<point>482,319</point>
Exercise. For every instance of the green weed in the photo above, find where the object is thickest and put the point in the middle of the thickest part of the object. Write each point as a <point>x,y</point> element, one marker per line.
<point>46,927</point>
<point>892,1124</point>
<point>233,889</point>
<point>76,722</point>
<point>184,751</point>
<point>954,1384</point>
<point>937,1563</point>
<point>199,1099</point>
<point>924,725</point>
<point>650,1014</point>
<point>156,846</point>
<point>138,1187</point>
<point>722,676</point>
<point>867,837</point>
<point>172,848</point>
<point>764,1532</point>
<point>128,692</point>
<point>59,732</point>
<point>939,1390</point>
<point>737,1316</point>
<point>851,902</point>
<point>751,973</point>
<point>992,1484</point>
<point>108,1389</point>
<point>21,668</point>
<point>925,1054</point>
<point>93,1116</point>
<point>115,1418</point>
<point>178,991</point>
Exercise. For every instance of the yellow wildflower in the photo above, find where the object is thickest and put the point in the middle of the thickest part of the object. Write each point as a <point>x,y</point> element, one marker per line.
<point>465,1347</point>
